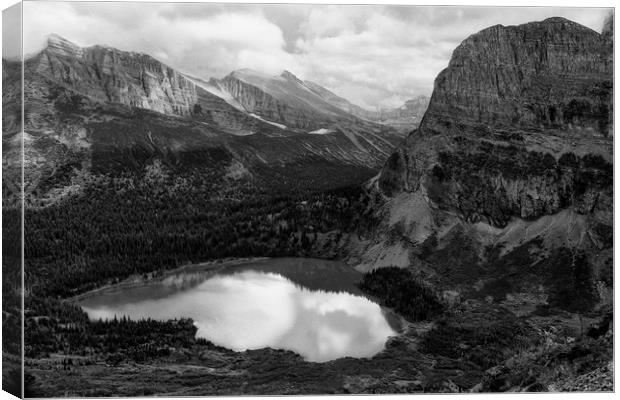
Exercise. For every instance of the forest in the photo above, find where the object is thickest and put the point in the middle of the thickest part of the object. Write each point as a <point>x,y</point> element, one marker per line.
<point>133,225</point>
<point>399,289</point>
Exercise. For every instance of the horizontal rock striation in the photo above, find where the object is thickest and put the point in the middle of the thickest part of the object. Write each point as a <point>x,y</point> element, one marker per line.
<point>111,75</point>
<point>519,125</point>
<point>283,99</point>
<point>541,75</point>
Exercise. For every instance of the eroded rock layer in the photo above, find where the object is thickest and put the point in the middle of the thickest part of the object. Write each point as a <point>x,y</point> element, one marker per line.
<point>511,167</point>
<point>112,75</point>
<point>519,125</point>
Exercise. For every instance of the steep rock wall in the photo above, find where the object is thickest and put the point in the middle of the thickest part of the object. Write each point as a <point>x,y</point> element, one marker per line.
<point>112,75</point>
<point>519,125</point>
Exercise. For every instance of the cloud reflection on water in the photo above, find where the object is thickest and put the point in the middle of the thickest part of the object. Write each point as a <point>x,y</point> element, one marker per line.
<point>252,310</point>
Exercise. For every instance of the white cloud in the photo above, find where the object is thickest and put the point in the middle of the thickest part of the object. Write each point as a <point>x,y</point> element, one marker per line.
<point>372,55</point>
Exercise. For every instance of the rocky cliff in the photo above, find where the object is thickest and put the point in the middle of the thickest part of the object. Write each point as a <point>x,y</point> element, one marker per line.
<point>511,162</point>
<point>111,75</point>
<point>283,99</point>
<point>519,125</point>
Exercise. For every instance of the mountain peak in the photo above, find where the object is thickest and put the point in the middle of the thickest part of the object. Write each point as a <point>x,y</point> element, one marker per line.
<point>58,44</point>
<point>289,76</point>
<point>561,23</point>
<point>557,20</point>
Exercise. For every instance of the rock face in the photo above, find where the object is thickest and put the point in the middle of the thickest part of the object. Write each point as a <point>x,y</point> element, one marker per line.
<point>286,100</point>
<point>283,99</point>
<point>112,75</point>
<point>511,165</point>
<point>553,74</point>
<point>519,125</point>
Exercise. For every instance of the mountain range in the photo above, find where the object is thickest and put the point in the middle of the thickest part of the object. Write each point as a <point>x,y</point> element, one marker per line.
<point>108,111</point>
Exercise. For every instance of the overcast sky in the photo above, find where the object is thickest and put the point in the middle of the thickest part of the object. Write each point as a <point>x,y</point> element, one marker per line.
<point>375,56</point>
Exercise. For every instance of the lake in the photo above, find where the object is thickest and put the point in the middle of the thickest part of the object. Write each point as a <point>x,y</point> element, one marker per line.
<point>309,306</point>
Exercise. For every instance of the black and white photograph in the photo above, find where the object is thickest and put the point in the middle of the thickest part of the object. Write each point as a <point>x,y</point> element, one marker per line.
<point>242,199</point>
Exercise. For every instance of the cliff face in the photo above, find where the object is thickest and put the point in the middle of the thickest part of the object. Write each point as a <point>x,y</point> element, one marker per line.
<point>519,125</point>
<point>511,165</point>
<point>553,74</point>
<point>283,99</point>
<point>112,75</point>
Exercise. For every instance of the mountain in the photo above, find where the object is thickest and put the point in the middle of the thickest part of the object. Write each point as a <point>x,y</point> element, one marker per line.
<point>110,75</point>
<point>510,169</point>
<point>340,102</point>
<point>404,118</point>
<point>100,110</point>
<point>284,99</point>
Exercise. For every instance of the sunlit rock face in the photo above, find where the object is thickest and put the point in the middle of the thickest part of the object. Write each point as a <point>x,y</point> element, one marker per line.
<point>253,310</point>
<point>111,75</point>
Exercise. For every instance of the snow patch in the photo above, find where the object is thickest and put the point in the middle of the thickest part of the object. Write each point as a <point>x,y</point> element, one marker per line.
<point>269,122</point>
<point>322,131</point>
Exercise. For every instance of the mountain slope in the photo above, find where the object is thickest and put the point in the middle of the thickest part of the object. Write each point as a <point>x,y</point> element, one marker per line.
<point>404,118</point>
<point>284,99</point>
<point>289,101</point>
<point>511,166</point>
<point>105,111</point>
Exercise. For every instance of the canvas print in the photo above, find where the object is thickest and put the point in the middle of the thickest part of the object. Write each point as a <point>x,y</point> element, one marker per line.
<point>205,199</point>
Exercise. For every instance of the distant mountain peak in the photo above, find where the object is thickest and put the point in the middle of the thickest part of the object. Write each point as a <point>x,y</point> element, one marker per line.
<point>248,72</point>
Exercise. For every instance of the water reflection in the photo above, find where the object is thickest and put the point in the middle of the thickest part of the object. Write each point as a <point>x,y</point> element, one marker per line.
<point>252,309</point>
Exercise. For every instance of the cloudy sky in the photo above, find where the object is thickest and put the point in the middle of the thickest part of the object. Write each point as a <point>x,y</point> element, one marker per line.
<point>375,56</point>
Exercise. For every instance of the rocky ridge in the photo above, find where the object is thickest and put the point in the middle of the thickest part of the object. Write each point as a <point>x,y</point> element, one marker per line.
<point>102,110</point>
<point>532,140</point>
<point>111,75</point>
<point>513,153</point>
<point>284,99</point>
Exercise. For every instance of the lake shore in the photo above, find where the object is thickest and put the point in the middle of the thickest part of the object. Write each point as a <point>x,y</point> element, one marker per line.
<point>136,280</point>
